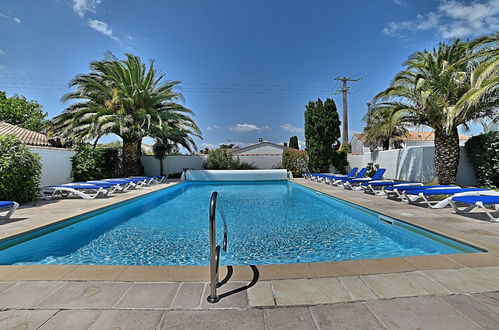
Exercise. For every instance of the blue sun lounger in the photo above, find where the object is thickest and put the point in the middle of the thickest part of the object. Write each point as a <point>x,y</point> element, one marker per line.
<point>354,184</point>
<point>480,201</point>
<point>359,175</point>
<point>416,195</point>
<point>10,207</point>
<point>398,191</point>
<point>330,179</point>
<point>377,187</point>
<point>85,191</point>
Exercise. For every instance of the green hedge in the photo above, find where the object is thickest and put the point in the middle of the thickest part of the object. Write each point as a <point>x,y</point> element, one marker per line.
<point>95,163</point>
<point>483,152</point>
<point>20,171</point>
<point>339,161</point>
<point>221,159</point>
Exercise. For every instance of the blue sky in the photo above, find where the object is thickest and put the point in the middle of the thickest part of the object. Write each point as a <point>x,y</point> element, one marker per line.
<point>248,68</point>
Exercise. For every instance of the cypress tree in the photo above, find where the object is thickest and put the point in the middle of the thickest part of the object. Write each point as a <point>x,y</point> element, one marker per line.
<point>322,131</point>
<point>293,142</point>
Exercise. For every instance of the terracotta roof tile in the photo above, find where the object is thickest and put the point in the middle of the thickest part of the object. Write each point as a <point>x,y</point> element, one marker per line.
<point>413,136</point>
<point>26,136</point>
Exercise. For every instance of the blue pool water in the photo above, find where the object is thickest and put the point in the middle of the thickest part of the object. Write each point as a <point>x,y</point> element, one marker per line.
<point>268,223</point>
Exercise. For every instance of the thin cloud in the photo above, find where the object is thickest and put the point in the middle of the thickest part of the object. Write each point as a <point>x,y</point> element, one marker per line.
<point>452,19</point>
<point>81,7</point>
<point>101,27</point>
<point>292,129</point>
<point>13,18</point>
<point>210,128</point>
<point>248,128</point>
<point>2,52</point>
<point>399,2</point>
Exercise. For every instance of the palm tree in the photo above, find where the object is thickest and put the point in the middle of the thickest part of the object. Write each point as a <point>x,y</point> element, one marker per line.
<point>383,127</point>
<point>426,93</point>
<point>126,98</point>
<point>169,140</point>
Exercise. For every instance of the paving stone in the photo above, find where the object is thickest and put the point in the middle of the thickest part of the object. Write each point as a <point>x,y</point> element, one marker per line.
<point>149,295</point>
<point>188,296</point>
<point>86,295</point>
<point>289,318</point>
<point>388,265</point>
<point>72,319</point>
<point>24,319</point>
<point>214,320</point>
<point>311,291</point>
<point>261,295</point>
<point>425,283</point>
<point>491,299</point>
<point>285,271</point>
<point>392,285</point>
<point>345,316</point>
<point>26,295</point>
<point>237,300</point>
<point>464,280</point>
<point>357,288</point>
<point>126,319</point>
<point>475,310</point>
<point>148,274</point>
<point>6,285</point>
<point>419,313</point>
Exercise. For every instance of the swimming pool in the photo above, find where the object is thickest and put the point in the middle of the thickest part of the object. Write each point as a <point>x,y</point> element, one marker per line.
<point>270,222</point>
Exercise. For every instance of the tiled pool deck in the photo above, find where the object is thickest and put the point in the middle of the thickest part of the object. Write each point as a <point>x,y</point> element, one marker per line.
<point>447,291</point>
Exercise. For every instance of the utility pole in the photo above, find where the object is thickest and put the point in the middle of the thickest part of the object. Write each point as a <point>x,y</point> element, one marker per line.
<point>344,90</point>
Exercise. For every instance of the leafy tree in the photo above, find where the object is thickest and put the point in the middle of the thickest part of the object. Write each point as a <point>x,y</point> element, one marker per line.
<point>426,93</point>
<point>17,110</point>
<point>322,131</point>
<point>295,161</point>
<point>20,171</point>
<point>293,142</point>
<point>222,159</point>
<point>126,98</point>
<point>382,127</point>
<point>483,153</point>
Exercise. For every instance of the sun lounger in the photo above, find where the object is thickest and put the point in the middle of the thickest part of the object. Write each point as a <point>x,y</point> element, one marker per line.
<point>424,195</point>
<point>10,207</point>
<point>111,187</point>
<point>359,175</point>
<point>397,191</point>
<point>376,187</point>
<point>354,184</point>
<point>84,191</point>
<point>156,179</point>
<point>480,201</point>
<point>330,179</point>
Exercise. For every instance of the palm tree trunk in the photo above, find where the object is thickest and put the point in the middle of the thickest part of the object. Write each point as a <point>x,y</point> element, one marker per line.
<point>161,166</point>
<point>131,157</point>
<point>446,156</point>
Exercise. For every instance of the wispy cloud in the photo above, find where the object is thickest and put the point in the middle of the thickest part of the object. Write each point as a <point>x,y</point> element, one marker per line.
<point>81,7</point>
<point>210,128</point>
<point>399,2</point>
<point>452,19</point>
<point>292,129</point>
<point>2,52</point>
<point>248,128</point>
<point>101,27</point>
<point>11,18</point>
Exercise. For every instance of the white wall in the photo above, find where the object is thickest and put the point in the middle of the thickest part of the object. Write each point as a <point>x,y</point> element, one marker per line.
<point>175,164</point>
<point>56,165</point>
<point>413,163</point>
<point>260,149</point>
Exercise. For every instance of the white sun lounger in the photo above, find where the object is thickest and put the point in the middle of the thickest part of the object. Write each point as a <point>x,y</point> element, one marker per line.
<point>10,207</point>
<point>424,195</point>
<point>83,191</point>
<point>481,201</point>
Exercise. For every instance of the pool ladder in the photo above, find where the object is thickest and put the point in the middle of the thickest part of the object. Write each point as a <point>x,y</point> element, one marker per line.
<point>215,251</point>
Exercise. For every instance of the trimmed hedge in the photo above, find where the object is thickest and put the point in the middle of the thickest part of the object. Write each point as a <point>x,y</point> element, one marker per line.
<point>95,163</point>
<point>20,171</point>
<point>295,161</point>
<point>483,152</point>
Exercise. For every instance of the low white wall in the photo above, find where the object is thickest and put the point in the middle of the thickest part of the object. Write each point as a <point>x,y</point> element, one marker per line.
<point>176,164</point>
<point>414,163</point>
<point>56,165</point>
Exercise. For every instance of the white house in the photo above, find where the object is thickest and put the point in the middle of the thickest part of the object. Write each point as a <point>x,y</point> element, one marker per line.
<point>263,148</point>
<point>411,139</point>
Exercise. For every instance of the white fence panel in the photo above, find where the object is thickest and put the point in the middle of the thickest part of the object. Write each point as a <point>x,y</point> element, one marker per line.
<point>413,163</point>
<point>56,165</point>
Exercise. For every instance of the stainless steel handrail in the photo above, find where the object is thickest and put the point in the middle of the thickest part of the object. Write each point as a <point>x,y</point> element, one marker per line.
<point>215,249</point>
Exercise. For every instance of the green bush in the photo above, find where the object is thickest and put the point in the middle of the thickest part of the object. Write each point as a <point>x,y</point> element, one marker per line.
<point>95,163</point>
<point>295,161</point>
<point>20,171</point>
<point>221,159</point>
<point>483,152</point>
<point>339,161</point>
<point>371,169</point>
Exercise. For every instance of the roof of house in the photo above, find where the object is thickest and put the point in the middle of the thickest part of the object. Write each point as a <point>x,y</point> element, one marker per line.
<point>413,136</point>
<point>247,148</point>
<point>26,136</point>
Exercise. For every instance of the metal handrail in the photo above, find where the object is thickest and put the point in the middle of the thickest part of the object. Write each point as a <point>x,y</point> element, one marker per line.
<point>215,249</point>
